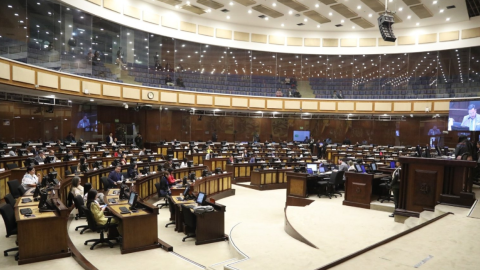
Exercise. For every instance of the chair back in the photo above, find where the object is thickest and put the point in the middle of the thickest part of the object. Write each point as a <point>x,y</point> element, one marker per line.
<point>67,172</point>
<point>70,199</point>
<point>12,166</point>
<point>189,218</point>
<point>171,205</point>
<point>339,177</point>
<point>21,190</point>
<point>92,225</point>
<point>333,176</point>
<point>105,183</point>
<point>86,188</point>
<point>78,201</point>
<point>13,187</point>
<point>10,200</point>
<point>8,216</point>
<point>73,169</point>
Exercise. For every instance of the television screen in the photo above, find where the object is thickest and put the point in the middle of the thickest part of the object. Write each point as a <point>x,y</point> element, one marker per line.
<point>358,168</point>
<point>313,167</point>
<point>373,166</point>
<point>322,169</point>
<point>463,115</point>
<point>392,164</point>
<point>300,135</point>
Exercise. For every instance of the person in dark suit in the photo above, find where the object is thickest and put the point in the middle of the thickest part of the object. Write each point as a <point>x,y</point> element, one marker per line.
<point>115,176</point>
<point>109,139</point>
<point>70,137</point>
<point>139,140</point>
<point>180,82</point>
<point>132,171</point>
<point>395,185</point>
<point>472,120</point>
<point>347,141</point>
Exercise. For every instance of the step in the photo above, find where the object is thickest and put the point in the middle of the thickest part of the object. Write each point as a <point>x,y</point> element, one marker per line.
<point>411,222</point>
<point>386,206</point>
<point>426,216</point>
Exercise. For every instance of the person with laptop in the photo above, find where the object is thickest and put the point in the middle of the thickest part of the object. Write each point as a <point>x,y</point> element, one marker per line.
<point>395,185</point>
<point>30,180</point>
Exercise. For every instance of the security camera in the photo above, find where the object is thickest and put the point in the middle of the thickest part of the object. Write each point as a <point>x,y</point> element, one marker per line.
<point>125,105</point>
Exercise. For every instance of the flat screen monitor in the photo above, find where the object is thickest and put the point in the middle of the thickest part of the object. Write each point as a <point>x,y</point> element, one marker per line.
<point>459,113</point>
<point>363,168</point>
<point>309,171</point>
<point>313,167</point>
<point>257,160</point>
<point>52,178</point>
<point>358,168</point>
<point>132,200</point>
<point>373,166</point>
<point>37,192</point>
<point>185,192</point>
<point>322,169</point>
<point>190,163</point>
<point>48,159</point>
<point>201,198</point>
<point>299,135</point>
<point>392,164</point>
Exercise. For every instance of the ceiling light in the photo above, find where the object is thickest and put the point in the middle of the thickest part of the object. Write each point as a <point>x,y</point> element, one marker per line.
<point>305,20</point>
<point>317,5</point>
<point>370,15</point>
<point>417,24</point>
<point>434,2</point>
<point>441,10</point>
<point>228,17</point>
<point>400,9</point>
<point>231,3</point>
<point>359,7</point>
<point>330,14</point>
<point>249,11</point>
<point>290,12</point>
<point>274,4</point>
<point>318,25</point>
<point>448,19</point>
<point>266,18</point>
<point>342,21</point>
<point>283,25</point>
<point>408,17</point>
<point>353,27</point>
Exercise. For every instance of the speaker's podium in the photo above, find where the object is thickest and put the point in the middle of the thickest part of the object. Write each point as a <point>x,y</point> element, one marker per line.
<point>426,182</point>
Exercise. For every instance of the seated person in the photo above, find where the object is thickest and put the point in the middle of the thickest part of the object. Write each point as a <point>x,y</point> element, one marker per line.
<point>118,153</point>
<point>350,166</point>
<point>252,159</point>
<point>142,152</point>
<point>40,157</point>
<point>81,163</point>
<point>30,180</point>
<point>115,176</point>
<point>69,153</point>
<point>279,93</point>
<point>168,80</point>
<point>164,187</point>
<point>13,152</point>
<point>168,164</point>
<point>52,153</point>
<point>97,210</point>
<point>184,163</point>
<point>123,160</point>
<point>230,160</point>
<point>180,82</point>
<point>77,189</point>
<point>171,180</point>
<point>70,137</point>
<point>132,171</point>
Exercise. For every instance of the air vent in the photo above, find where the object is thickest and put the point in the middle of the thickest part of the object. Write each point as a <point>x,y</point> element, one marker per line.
<point>262,16</point>
<point>246,2</point>
<point>210,4</point>
<point>328,2</point>
<point>171,2</point>
<point>450,7</point>
<point>362,22</point>
<point>267,11</point>
<point>294,5</point>
<point>376,5</point>
<point>193,9</point>
<point>312,14</point>
<point>338,25</point>
<point>344,10</point>
<point>300,24</point>
<point>225,10</point>
<point>421,11</point>
<point>412,2</point>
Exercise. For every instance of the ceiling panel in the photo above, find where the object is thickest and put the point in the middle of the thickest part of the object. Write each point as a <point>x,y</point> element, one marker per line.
<point>362,22</point>
<point>375,5</point>
<point>344,10</point>
<point>328,2</point>
<point>294,4</point>
<point>421,11</point>
<point>267,11</point>
<point>211,4</point>
<point>171,2</point>
<point>194,9</point>
<point>312,14</point>
<point>246,2</point>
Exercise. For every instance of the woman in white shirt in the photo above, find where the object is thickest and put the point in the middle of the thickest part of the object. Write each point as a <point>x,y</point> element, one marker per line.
<point>30,179</point>
<point>350,166</point>
<point>77,189</point>
<point>184,163</point>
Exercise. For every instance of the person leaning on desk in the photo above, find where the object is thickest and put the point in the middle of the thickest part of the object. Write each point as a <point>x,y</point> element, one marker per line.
<point>115,176</point>
<point>171,180</point>
<point>30,179</point>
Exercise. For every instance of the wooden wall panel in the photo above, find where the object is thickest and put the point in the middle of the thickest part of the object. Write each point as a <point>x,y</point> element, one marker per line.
<point>327,106</point>
<point>368,42</point>
<point>132,12</point>
<point>111,90</point>
<point>346,106</point>
<point>224,33</point>
<point>70,84</point>
<point>428,38</point>
<point>239,102</point>
<point>186,98</point>
<point>406,40</point>
<point>294,41</point>
<point>151,17</point>
<point>292,104</point>
<point>92,87</point>
<point>364,106</point>
<point>131,93</point>
<point>23,75</point>
<point>402,106</point>
<point>4,71</point>
<point>348,42</point>
<point>330,42</point>
<point>48,80</point>
<point>113,5</point>
<point>188,27</point>
<point>168,97</point>
<point>257,103</point>
<point>258,38</point>
<point>441,105</point>
<point>381,42</point>
<point>276,40</point>
<point>205,30</point>
<point>204,100</point>
<point>241,36</point>
<point>274,104</point>
<point>471,33</point>
<point>383,106</point>
<point>449,36</point>
<point>222,101</point>
<point>170,22</point>
<point>310,105</point>
<point>312,42</point>
<point>420,106</point>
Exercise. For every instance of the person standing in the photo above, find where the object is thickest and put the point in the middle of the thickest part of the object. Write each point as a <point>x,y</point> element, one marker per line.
<point>109,139</point>
<point>311,145</point>
<point>395,185</point>
<point>139,141</point>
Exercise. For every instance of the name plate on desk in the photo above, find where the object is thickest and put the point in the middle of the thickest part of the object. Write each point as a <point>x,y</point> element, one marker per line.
<point>122,144</point>
<point>200,152</point>
<point>30,154</point>
<point>58,160</point>
<point>225,172</point>
<point>6,156</point>
<point>74,159</point>
<point>245,162</point>
<point>94,169</point>
<point>109,156</point>
<point>2,169</point>
<point>130,155</point>
<point>94,157</point>
<point>40,163</point>
<point>104,145</point>
<point>68,145</point>
<point>177,147</point>
<point>213,174</point>
<point>270,168</point>
<point>139,162</point>
<point>200,164</point>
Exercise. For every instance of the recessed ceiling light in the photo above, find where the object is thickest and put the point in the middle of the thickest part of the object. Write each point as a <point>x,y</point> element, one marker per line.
<point>330,14</point>
<point>228,17</point>
<point>266,18</point>
<point>317,5</point>
<point>274,4</point>
<point>305,20</point>
<point>290,12</point>
<point>400,9</point>
<point>353,27</point>
<point>417,24</point>
<point>409,17</point>
<point>434,2</point>
<point>370,15</point>
<point>448,19</point>
<point>441,10</point>
<point>249,11</point>
<point>283,25</point>
<point>342,21</point>
<point>359,7</point>
<point>318,25</point>
<point>231,3</point>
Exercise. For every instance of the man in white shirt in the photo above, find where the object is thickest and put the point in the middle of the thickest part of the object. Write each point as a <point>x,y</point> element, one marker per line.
<point>142,152</point>
<point>30,179</point>
<point>12,152</point>
<point>40,157</point>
